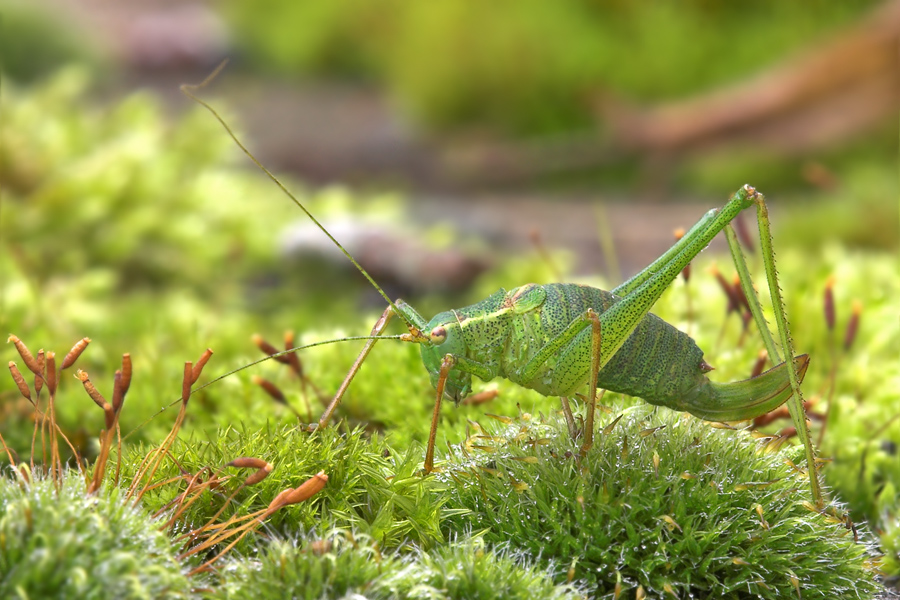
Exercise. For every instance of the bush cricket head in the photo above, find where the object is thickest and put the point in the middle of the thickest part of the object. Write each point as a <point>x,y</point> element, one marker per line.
<point>446,337</point>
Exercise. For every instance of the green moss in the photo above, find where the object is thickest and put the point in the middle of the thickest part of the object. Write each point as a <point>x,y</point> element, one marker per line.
<point>287,569</point>
<point>346,565</point>
<point>371,489</point>
<point>890,545</point>
<point>35,45</point>
<point>529,67</point>
<point>662,501</point>
<point>62,544</point>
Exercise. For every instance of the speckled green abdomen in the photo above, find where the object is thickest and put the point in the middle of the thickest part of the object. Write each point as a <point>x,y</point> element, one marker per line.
<point>657,362</point>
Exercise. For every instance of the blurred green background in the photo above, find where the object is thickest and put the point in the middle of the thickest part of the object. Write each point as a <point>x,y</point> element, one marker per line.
<point>451,132</point>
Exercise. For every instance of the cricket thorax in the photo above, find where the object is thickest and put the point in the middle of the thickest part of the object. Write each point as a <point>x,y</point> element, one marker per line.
<point>486,328</point>
<point>657,362</point>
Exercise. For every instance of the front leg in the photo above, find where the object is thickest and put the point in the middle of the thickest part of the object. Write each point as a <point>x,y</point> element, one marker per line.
<point>449,362</point>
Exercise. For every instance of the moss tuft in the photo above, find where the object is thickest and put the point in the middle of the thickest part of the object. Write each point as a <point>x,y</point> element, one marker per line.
<point>353,566</point>
<point>371,490</point>
<point>662,501</point>
<point>63,544</point>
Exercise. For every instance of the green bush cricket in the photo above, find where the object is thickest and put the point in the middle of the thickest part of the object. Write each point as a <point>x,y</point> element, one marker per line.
<point>557,338</point>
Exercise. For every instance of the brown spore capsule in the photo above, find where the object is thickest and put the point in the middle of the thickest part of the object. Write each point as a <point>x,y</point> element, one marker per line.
<point>308,488</point>
<point>829,303</point>
<point>186,382</point>
<point>39,378</point>
<point>853,325</point>
<point>268,348</point>
<point>26,355</point>
<point>760,364</point>
<point>92,391</point>
<point>271,389</point>
<point>74,353</point>
<point>248,462</point>
<point>50,367</point>
<point>198,366</point>
<point>20,381</point>
<point>126,372</point>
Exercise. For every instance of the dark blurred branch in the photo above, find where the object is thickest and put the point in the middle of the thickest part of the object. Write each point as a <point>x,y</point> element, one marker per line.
<point>832,92</point>
<point>847,85</point>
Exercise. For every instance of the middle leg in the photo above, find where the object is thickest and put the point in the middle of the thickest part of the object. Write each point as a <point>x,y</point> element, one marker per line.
<point>596,344</point>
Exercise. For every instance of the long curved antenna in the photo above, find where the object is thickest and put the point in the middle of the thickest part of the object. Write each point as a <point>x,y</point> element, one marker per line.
<point>188,90</point>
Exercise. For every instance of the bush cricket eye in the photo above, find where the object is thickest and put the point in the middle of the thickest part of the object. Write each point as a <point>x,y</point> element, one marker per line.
<point>438,335</point>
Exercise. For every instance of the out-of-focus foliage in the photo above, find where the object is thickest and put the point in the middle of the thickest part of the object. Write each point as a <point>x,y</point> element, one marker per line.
<point>530,66</point>
<point>117,189</point>
<point>890,545</point>
<point>32,45</point>
<point>148,237</point>
<point>151,238</point>
<point>862,212</point>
